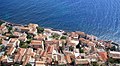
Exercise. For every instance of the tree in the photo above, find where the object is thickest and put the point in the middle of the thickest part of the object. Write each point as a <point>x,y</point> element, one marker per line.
<point>28,64</point>
<point>71,48</point>
<point>62,65</point>
<point>63,37</point>
<point>2,47</point>
<point>23,44</point>
<point>113,48</point>
<point>95,64</point>
<point>29,36</point>
<point>9,28</point>
<point>16,65</point>
<point>28,41</point>
<point>55,36</point>
<point>40,29</point>
<point>0,41</point>
<point>81,50</point>
<point>1,22</point>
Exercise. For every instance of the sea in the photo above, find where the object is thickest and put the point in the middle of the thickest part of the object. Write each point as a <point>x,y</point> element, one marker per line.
<point>95,17</point>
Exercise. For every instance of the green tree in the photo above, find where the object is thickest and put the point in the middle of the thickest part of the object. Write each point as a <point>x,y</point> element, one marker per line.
<point>71,48</point>
<point>113,48</point>
<point>62,65</point>
<point>81,50</point>
<point>16,65</point>
<point>23,44</point>
<point>0,41</point>
<point>28,64</point>
<point>40,29</point>
<point>55,36</point>
<point>63,37</point>
<point>9,28</point>
<point>29,36</point>
<point>1,22</point>
<point>95,64</point>
<point>28,41</point>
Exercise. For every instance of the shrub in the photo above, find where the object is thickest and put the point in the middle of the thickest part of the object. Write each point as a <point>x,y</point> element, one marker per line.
<point>28,64</point>
<point>95,64</point>
<point>81,50</point>
<point>0,41</point>
<point>63,37</point>
<point>23,44</point>
<point>40,29</point>
<point>16,65</point>
<point>55,36</point>
<point>1,22</point>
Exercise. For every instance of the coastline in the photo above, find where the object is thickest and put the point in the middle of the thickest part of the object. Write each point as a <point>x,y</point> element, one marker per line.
<point>12,23</point>
<point>75,47</point>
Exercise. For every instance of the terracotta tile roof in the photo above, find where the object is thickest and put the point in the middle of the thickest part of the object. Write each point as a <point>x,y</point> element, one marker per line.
<point>17,33</point>
<point>71,44</point>
<point>19,57</point>
<point>36,42</point>
<point>81,39</point>
<point>25,28</point>
<point>80,33</point>
<point>22,38</point>
<point>10,50</point>
<point>38,50</point>
<point>28,51</point>
<point>39,37</point>
<point>91,44</point>
<point>103,55</point>
<point>9,45</point>
<point>12,40</point>
<point>49,60</point>
<point>68,59</point>
<point>44,53</point>
<point>26,60</point>
<point>3,58</point>
<point>52,42</point>
<point>21,51</point>
<point>50,49</point>
<point>16,57</point>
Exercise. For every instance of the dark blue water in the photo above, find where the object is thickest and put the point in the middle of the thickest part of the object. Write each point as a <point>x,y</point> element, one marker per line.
<point>97,17</point>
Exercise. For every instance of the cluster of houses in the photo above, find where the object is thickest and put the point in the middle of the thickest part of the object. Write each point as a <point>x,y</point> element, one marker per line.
<point>24,45</point>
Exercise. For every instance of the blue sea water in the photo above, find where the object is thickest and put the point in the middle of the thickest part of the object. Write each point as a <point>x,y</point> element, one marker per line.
<point>97,17</point>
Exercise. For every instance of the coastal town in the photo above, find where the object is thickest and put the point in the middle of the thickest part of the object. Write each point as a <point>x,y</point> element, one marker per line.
<point>33,45</point>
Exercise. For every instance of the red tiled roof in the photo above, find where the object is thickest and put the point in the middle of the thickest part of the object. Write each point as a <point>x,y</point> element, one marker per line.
<point>50,49</point>
<point>21,51</point>
<point>26,60</point>
<point>20,57</point>
<point>16,57</point>
<point>103,55</point>
<point>67,57</point>
<point>10,50</point>
<point>36,42</point>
